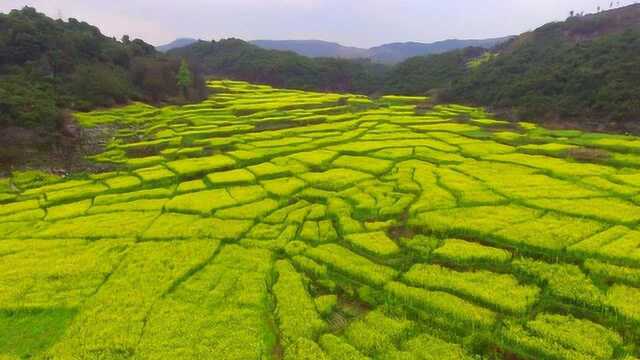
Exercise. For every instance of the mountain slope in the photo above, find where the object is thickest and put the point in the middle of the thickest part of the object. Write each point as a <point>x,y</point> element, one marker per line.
<point>47,64</point>
<point>177,43</point>
<point>385,54</point>
<point>421,74</point>
<point>48,67</point>
<point>584,70</point>
<point>398,52</point>
<point>313,48</point>
<point>240,60</point>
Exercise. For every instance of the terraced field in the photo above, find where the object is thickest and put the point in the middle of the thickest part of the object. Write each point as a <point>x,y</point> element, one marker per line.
<point>269,224</point>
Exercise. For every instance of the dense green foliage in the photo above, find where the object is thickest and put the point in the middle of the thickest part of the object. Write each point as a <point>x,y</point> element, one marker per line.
<point>551,76</point>
<point>585,68</point>
<point>266,223</point>
<point>420,74</point>
<point>237,59</point>
<point>47,65</point>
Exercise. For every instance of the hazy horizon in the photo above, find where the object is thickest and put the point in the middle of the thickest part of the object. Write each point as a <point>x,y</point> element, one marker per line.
<point>357,23</point>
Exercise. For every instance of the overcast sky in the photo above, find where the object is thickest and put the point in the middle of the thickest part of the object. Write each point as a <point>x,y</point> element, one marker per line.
<point>362,23</point>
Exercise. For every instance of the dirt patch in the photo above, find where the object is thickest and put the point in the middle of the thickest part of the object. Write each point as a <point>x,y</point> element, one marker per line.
<point>62,151</point>
<point>588,154</point>
<point>399,232</point>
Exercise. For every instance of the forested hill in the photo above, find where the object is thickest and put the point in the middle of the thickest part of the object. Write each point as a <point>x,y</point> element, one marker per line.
<point>240,60</point>
<point>585,69</point>
<point>48,65</point>
<point>389,54</point>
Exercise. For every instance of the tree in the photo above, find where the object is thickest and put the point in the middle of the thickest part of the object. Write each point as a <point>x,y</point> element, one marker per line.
<point>27,103</point>
<point>184,77</point>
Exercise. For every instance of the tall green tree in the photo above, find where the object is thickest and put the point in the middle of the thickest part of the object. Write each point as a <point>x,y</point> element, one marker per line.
<point>184,77</point>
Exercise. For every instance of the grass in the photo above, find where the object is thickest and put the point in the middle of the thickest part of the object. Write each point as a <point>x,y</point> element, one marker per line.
<point>25,334</point>
<point>277,224</point>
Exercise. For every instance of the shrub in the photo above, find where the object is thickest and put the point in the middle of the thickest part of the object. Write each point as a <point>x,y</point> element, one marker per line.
<point>268,170</point>
<point>502,292</point>
<point>457,312</point>
<point>68,210</point>
<point>283,186</point>
<point>612,272</point>
<point>122,182</point>
<point>561,337</point>
<point>202,202</point>
<point>316,157</point>
<point>191,167</point>
<point>345,261</point>
<point>75,193</point>
<point>231,177</point>
<point>376,332</point>
<point>148,271</point>
<point>155,175</point>
<point>158,193</point>
<point>431,348</point>
<point>565,281</point>
<point>462,252</point>
<point>376,243</point>
<point>362,163</point>
<point>254,210</point>
<point>338,348</point>
<point>623,299</point>
<point>16,207</point>
<point>296,311</point>
<point>304,349</point>
<point>611,210</point>
<point>325,304</point>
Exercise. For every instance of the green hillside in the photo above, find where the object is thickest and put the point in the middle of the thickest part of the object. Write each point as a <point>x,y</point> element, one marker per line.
<point>49,65</point>
<point>280,224</point>
<point>584,69</point>
<point>240,60</point>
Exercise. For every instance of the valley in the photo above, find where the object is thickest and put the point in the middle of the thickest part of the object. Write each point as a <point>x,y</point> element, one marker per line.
<point>266,223</point>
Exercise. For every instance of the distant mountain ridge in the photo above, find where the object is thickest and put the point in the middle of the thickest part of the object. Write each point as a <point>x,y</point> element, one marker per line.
<point>398,52</point>
<point>175,44</point>
<point>313,48</point>
<point>392,53</point>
